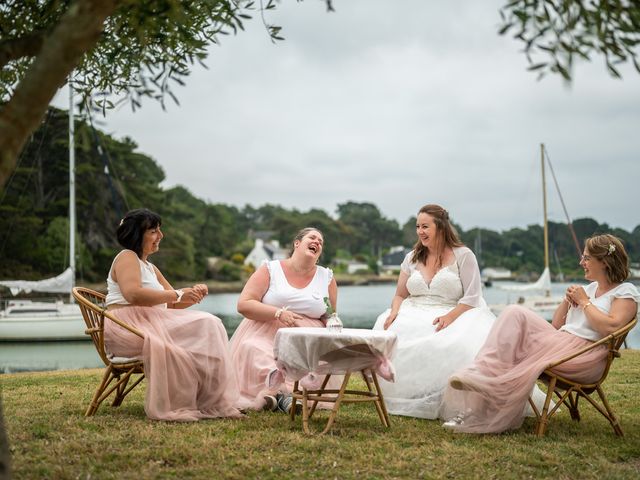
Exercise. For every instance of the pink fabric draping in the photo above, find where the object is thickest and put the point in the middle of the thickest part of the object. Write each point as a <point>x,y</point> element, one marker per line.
<point>252,355</point>
<point>519,347</point>
<point>186,361</point>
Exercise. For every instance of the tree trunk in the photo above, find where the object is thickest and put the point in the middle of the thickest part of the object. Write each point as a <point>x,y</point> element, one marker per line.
<point>77,33</point>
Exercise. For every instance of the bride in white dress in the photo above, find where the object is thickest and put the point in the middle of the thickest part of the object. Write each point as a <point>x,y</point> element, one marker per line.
<point>438,314</point>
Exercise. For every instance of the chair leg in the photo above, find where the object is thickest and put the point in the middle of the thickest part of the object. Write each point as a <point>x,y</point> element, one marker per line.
<point>544,414</point>
<point>573,406</point>
<point>615,422</point>
<point>120,391</point>
<point>95,401</point>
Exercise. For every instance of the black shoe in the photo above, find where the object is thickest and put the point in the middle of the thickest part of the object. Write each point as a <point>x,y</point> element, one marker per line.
<point>285,402</point>
<point>270,403</point>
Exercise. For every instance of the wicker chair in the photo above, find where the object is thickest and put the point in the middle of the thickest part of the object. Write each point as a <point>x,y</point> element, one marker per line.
<point>570,391</point>
<point>120,370</point>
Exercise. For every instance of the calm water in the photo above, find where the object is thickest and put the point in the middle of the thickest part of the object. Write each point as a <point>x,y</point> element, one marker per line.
<point>358,306</point>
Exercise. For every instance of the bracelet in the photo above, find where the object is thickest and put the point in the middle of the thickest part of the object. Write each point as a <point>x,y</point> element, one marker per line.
<point>179,294</point>
<point>279,312</point>
<point>586,305</point>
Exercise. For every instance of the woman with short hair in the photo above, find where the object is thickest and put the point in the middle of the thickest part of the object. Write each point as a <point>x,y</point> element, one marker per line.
<point>491,394</point>
<point>186,363</point>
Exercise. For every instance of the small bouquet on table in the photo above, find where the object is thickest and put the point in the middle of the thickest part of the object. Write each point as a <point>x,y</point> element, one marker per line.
<point>334,324</point>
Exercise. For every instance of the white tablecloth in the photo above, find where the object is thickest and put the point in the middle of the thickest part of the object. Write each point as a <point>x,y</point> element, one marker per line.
<point>301,352</point>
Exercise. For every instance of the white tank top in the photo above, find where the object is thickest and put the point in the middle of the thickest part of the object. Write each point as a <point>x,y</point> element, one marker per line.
<point>307,301</point>
<point>147,275</point>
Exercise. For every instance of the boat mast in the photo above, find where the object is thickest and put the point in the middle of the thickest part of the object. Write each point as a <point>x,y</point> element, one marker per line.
<point>547,292</point>
<point>72,191</point>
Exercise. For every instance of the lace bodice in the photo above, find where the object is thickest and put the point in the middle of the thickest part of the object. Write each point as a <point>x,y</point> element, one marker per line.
<point>456,283</point>
<point>444,290</point>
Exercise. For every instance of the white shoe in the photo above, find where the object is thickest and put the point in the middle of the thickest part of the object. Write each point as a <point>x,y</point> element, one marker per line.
<point>454,422</point>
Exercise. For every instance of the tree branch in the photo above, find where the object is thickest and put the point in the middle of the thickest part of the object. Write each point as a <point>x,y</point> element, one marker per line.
<point>77,33</point>
<point>16,48</point>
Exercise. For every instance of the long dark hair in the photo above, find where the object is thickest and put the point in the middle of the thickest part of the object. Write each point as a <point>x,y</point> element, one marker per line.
<point>446,235</point>
<point>132,227</point>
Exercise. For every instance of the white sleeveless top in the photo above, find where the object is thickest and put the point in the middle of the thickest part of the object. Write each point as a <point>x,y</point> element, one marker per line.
<point>307,301</point>
<point>147,275</point>
<point>577,322</point>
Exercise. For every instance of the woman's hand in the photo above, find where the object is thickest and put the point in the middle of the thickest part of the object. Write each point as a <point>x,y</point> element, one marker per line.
<point>289,318</point>
<point>576,296</point>
<point>390,319</point>
<point>194,294</point>
<point>442,322</point>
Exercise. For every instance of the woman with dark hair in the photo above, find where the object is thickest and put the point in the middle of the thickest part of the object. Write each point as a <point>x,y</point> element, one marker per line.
<point>189,375</point>
<point>438,314</point>
<point>280,293</point>
<point>490,395</point>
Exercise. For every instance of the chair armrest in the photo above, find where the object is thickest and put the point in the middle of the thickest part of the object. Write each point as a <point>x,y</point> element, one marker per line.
<point>126,326</point>
<point>608,339</point>
<point>602,341</point>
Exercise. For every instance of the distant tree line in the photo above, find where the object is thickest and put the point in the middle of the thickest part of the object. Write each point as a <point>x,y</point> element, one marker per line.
<point>112,177</point>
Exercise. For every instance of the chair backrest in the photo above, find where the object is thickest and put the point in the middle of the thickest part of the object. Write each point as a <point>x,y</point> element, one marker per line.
<point>615,343</point>
<point>93,308</point>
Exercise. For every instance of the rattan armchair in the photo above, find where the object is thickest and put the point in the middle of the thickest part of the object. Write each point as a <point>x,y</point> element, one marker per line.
<point>118,370</point>
<point>569,391</point>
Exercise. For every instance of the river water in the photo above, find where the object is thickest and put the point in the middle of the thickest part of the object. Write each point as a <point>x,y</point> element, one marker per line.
<point>358,307</point>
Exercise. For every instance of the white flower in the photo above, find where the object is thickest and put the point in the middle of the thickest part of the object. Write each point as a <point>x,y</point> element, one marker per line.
<point>612,248</point>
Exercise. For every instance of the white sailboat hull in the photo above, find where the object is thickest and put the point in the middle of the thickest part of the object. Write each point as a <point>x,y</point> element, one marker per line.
<point>26,321</point>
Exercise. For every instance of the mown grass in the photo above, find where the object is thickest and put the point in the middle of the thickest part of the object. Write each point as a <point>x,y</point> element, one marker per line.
<point>50,438</point>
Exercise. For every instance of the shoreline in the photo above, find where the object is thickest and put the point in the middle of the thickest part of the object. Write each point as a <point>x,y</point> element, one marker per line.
<point>216,286</point>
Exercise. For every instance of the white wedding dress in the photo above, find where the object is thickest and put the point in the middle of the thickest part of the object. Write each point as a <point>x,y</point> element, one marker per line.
<point>424,358</point>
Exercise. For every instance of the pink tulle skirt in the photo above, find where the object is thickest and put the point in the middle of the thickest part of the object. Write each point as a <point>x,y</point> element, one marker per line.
<point>519,347</point>
<point>186,362</point>
<point>252,356</point>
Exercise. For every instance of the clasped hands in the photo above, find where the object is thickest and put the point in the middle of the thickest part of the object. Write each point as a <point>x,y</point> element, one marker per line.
<point>289,318</point>
<point>576,296</point>
<point>194,294</point>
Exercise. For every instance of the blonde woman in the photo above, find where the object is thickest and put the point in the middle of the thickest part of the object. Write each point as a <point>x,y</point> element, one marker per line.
<point>490,395</point>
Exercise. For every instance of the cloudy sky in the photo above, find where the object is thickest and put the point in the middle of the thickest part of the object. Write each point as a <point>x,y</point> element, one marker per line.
<point>399,104</point>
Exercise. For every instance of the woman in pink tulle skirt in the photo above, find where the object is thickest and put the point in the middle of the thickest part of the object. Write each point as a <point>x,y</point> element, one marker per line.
<point>281,293</point>
<point>491,394</point>
<point>186,362</point>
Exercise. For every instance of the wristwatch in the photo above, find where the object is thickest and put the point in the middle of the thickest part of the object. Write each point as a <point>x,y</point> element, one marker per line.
<point>179,294</point>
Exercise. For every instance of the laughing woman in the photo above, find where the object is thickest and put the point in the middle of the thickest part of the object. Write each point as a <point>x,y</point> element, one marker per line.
<point>281,293</point>
<point>438,314</point>
<point>189,375</point>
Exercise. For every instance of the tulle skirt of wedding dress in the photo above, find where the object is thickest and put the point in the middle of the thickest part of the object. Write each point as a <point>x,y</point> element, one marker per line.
<point>188,372</point>
<point>517,350</point>
<point>424,358</point>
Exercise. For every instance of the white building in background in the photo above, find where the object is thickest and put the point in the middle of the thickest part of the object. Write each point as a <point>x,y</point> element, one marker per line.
<point>265,251</point>
<point>496,273</point>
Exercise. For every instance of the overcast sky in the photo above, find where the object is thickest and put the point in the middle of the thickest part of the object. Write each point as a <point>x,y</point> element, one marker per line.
<point>399,104</point>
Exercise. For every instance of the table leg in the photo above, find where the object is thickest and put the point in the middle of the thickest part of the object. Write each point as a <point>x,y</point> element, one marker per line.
<point>292,413</point>
<point>336,406</point>
<point>315,403</point>
<point>380,401</point>
<point>376,396</point>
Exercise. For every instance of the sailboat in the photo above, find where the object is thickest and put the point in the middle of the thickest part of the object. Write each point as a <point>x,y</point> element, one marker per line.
<point>27,320</point>
<point>543,302</point>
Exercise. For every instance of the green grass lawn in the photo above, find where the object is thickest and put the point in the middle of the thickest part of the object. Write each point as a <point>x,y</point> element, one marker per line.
<point>50,438</point>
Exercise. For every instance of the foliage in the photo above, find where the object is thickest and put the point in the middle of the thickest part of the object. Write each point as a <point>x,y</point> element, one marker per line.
<point>112,177</point>
<point>562,30</point>
<point>50,438</point>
